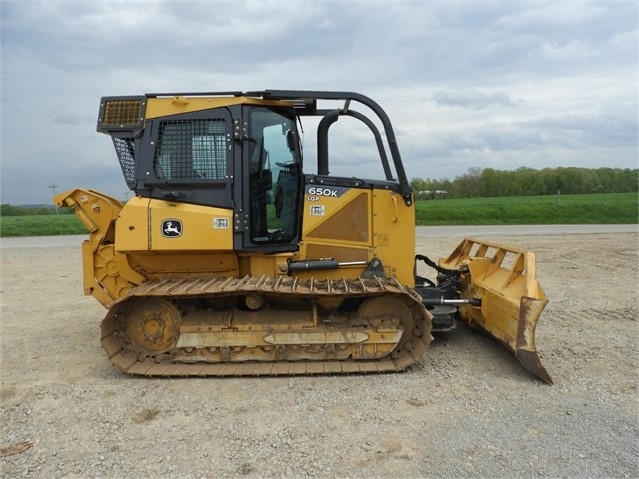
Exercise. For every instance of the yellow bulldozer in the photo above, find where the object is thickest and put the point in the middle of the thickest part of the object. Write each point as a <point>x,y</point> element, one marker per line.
<point>235,257</point>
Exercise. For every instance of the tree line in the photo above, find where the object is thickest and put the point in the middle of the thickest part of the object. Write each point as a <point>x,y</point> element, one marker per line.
<point>524,181</point>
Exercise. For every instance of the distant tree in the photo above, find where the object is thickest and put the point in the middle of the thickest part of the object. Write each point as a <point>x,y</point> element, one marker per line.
<point>529,181</point>
<point>468,184</point>
<point>8,210</point>
<point>492,182</point>
<point>418,185</point>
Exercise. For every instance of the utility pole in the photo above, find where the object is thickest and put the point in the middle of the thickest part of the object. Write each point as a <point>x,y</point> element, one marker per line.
<point>53,187</point>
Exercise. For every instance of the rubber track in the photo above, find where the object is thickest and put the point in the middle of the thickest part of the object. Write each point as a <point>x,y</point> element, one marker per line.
<point>129,360</point>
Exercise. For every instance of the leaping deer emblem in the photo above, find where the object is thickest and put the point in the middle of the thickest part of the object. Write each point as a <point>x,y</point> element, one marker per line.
<point>171,228</point>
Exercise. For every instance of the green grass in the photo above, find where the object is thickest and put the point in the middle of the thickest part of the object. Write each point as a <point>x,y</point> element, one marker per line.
<point>41,225</point>
<point>614,208</point>
<point>617,208</point>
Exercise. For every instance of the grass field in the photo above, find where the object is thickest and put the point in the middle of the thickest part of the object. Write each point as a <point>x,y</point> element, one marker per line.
<point>617,208</point>
<point>41,225</point>
<point>620,208</point>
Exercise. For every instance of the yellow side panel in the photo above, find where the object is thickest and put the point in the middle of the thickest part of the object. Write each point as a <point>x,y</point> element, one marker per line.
<point>344,218</point>
<point>202,227</point>
<point>394,235</point>
<point>156,225</point>
<point>132,226</point>
<point>337,224</point>
<point>184,264</point>
<point>159,107</point>
<point>352,224</point>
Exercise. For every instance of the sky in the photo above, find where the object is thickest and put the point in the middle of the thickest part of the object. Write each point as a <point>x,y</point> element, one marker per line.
<point>467,84</point>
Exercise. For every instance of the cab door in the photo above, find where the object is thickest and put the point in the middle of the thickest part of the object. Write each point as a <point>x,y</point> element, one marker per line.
<point>272,181</point>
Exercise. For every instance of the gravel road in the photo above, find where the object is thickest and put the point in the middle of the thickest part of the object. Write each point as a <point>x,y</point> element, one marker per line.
<point>467,410</point>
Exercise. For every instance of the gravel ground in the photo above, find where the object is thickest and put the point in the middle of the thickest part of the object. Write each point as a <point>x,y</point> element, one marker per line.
<point>467,410</point>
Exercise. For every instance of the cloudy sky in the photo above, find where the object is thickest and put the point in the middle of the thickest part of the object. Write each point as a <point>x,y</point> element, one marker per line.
<point>488,84</point>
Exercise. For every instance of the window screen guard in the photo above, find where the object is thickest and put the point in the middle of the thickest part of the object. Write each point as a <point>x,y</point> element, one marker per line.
<point>191,150</point>
<point>124,148</point>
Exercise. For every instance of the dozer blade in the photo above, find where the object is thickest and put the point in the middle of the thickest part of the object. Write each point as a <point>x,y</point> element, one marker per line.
<point>512,300</point>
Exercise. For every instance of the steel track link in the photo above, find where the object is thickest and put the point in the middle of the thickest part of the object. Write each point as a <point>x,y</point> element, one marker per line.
<point>132,361</point>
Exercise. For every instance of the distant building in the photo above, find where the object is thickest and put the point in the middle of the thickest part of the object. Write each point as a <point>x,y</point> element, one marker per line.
<point>431,194</point>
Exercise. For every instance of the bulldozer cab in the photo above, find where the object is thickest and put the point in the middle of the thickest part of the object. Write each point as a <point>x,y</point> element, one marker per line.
<point>241,151</point>
<point>240,154</point>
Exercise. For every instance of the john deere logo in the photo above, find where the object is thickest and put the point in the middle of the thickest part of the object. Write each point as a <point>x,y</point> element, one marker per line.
<point>171,228</point>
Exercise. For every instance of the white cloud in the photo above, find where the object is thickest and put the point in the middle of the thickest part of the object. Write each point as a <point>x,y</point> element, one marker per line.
<point>535,83</point>
<point>555,51</point>
<point>470,98</point>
